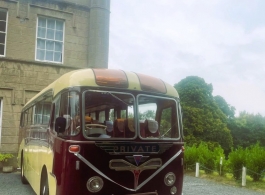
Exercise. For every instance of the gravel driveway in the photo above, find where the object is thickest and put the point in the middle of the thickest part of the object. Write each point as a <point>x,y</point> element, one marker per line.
<point>198,186</point>
<point>10,185</point>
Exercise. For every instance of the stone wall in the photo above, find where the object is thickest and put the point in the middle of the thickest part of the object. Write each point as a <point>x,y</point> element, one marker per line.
<point>22,81</point>
<point>21,37</point>
<point>86,40</point>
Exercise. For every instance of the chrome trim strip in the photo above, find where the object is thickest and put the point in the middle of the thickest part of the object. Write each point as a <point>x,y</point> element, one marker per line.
<point>160,169</point>
<point>52,175</point>
<point>132,167</point>
<point>139,186</point>
<point>99,172</point>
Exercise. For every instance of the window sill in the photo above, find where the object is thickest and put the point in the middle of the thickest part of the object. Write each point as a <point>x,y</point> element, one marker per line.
<point>42,63</point>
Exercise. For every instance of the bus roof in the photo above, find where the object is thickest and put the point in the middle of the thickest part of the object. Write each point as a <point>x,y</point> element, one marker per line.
<point>110,78</point>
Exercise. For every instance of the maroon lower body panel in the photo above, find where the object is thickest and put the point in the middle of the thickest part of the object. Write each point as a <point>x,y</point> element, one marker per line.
<point>73,171</point>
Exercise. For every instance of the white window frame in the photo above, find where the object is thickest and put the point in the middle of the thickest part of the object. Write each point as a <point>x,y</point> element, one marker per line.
<point>1,117</point>
<point>46,39</point>
<point>4,10</point>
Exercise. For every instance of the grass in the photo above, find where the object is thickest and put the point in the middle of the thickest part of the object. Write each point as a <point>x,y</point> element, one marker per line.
<point>229,180</point>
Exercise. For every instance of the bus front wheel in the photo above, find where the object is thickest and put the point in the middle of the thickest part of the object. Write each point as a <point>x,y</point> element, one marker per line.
<point>44,186</point>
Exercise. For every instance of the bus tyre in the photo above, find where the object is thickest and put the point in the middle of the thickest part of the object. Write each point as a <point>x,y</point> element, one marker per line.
<point>22,176</point>
<point>44,186</point>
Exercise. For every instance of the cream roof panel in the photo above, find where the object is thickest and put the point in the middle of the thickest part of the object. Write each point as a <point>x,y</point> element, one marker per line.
<point>86,77</point>
<point>83,77</point>
<point>133,81</point>
<point>171,90</point>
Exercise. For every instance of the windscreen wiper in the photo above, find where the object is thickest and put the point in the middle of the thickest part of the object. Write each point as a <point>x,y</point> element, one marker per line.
<point>119,99</point>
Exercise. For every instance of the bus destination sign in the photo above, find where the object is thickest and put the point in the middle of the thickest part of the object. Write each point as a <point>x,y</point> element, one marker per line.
<point>133,148</point>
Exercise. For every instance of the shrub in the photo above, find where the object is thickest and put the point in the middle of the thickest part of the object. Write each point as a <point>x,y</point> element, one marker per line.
<point>237,159</point>
<point>219,153</point>
<point>190,157</point>
<point>207,154</point>
<point>4,157</point>
<point>255,161</point>
<point>206,157</point>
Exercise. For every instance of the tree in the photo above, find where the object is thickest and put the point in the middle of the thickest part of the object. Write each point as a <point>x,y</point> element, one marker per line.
<point>203,120</point>
<point>247,129</point>
<point>228,110</point>
<point>148,114</point>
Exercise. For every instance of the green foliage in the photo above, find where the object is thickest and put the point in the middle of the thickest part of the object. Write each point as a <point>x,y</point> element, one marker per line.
<point>203,120</point>
<point>252,157</point>
<point>219,153</point>
<point>228,110</point>
<point>247,129</point>
<point>212,119</point>
<point>237,159</point>
<point>206,158</point>
<point>165,123</point>
<point>5,157</point>
<point>255,161</point>
<point>207,154</point>
<point>191,157</point>
<point>149,114</point>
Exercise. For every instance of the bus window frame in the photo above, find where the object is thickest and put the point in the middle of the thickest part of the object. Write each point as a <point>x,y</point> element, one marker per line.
<point>179,112</point>
<point>53,116</point>
<point>32,129</point>
<point>115,114</point>
<point>25,111</point>
<point>159,117</point>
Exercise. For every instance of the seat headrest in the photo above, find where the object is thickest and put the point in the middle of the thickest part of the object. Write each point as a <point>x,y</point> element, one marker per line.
<point>109,125</point>
<point>152,125</point>
<point>88,119</point>
<point>120,124</point>
<point>131,124</point>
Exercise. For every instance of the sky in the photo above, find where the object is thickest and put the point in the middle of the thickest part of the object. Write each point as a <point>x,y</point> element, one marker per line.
<point>221,41</point>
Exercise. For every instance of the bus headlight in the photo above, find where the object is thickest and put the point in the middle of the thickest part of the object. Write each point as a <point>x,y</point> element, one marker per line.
<point>173,190</point>
<point>94,184</point>
<point>170,179</point>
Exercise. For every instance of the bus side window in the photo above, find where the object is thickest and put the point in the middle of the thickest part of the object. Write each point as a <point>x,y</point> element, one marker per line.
<point>55,111</point>
<point>30,116</point>
<point>52,116</point>
<point>47,102</point>
<point>22,117</point>
<point>37,112</point>
<point>68,107</point>
<point>25,118</point>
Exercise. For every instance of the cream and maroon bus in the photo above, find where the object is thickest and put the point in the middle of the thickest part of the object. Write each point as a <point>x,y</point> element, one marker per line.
<point>103,132</point>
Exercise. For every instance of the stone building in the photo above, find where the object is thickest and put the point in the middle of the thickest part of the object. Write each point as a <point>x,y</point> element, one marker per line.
<point>39,41</point>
